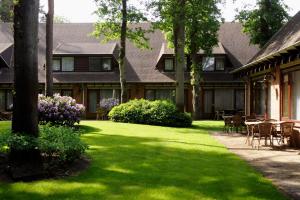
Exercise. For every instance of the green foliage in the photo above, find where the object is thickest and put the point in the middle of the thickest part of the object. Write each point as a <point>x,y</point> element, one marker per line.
<point>110,20</point>
<point>159,112</point>
<point>6,10</point>
<point>263,22</point>
<point>61,142</point>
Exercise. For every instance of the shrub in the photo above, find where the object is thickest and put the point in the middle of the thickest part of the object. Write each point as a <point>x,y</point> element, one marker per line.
<point>106,105</point>
<point>54,142</point>
<point>59,110</point>
<point>61,142</point>
<point>159,112</point>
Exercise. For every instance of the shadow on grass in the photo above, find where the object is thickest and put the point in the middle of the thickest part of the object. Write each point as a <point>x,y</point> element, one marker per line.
<point>127,167</point>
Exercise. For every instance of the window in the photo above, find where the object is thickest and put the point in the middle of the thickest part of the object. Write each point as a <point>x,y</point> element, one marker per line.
<point>296,95</point>
<point>240,99</point>
<point>93,101</point>
<point>2,100</point>
<point>67,64</point>
<point>220,64</point>
<point>94,64</point>
<point>56,64</point>
<point>208,63</point>
<point>291,96</point>
<point>169,64</point>
<point>106,64</point>
<point>259,98</point>
<point>9,100</point>
<point>163,94</point>
<point>99,64</point>
<point>68,93</point>
<point>95,96</point>
<point>150,94</point>
<point>208,101</point>
<point>224,99</point>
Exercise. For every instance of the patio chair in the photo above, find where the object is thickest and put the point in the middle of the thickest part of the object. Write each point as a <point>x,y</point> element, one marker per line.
<point>237,122</point>
<point>264,132</point>
<point>228,125</point>
<point>286,130</point>
<point>250,129</point>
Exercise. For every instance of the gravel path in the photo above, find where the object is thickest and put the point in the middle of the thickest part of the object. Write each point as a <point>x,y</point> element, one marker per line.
<point>281,165</point>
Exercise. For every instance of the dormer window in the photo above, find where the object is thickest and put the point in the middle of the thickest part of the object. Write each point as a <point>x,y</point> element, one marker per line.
<point>220,64</point>
<point>99,64</point>
<point>208,64</point>
<point>169,65</point>
<point>67,64</point>
<point>64,64</point>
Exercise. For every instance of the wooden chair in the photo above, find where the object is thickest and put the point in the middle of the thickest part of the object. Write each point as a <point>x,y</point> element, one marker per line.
<point>228,125</point>
<point>286,130</point>
<point>264,132</point>
<point>237,122</point>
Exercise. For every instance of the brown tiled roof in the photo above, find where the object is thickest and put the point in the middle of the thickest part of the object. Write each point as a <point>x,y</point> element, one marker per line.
<point>85,48</point>
<point>140,64</point>
<point>287,38</point>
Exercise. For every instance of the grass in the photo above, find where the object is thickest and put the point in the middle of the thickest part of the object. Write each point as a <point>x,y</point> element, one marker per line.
<point>149,162</point>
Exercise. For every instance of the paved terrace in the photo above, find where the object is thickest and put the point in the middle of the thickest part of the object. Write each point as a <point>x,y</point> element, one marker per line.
<point>281,165</point>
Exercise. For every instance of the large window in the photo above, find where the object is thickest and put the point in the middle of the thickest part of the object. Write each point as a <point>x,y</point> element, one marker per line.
<point>208,101</point>
<point>163,94</point>
<point>291,96</point>
<point>208,63</point>
<point>67,64</point>
<point>95,96</point>
<point>6,100</point>
<point>56,64</point>
<point>169,64</point>
<point>240,99</point>
<point>99,64</point>
<point>220,64</point>
<point>259,98</point>
<point>224,99</point>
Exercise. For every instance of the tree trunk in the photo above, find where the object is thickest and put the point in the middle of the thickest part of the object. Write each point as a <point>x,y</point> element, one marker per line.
<point>195,82</point>
<point>179,43</point>
<point>122,67</point>
<point>49,48</point>
<point>25,164</point>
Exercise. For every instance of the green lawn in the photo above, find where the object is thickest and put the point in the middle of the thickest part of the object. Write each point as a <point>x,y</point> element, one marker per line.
<point>148,162</point>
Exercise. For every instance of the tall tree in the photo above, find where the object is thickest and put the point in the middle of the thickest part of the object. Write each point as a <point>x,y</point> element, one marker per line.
<point>6,10</point>
<point>202,27</point>
<point>25,162</point>
<point>49,48</point>
<point>171,15</point>
<point>262,22</point>
<point>114,17</point>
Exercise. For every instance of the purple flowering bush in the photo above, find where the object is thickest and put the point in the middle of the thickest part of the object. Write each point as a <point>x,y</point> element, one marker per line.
<point>59,110</point>
<point>105,106</point>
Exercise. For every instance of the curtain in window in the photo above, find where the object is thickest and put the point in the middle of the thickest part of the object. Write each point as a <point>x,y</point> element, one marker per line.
<point>224,99</point>
<point>208,64</point>
<point>106,64</point>
<point>269,100</point>
<point>2,100</point>
<point>296,96</point>
<point>208,101</point>
<point>67,64</point>
<point>93,101</point>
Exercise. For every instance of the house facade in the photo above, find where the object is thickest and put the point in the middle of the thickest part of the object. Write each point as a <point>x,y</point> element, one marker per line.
<point>273,76</point>
<point>88,71</point>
